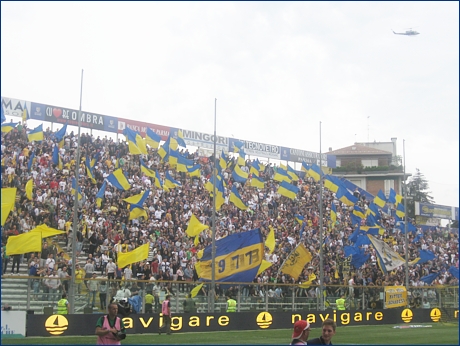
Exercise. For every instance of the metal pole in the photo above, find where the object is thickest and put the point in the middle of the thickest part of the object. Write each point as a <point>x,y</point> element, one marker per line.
<point>406,240</point>
<point>321,265</point>
<point>75,209</point>
<point>213,252</point>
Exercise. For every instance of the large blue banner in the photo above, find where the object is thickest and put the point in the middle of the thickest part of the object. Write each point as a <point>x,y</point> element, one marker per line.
<point>68,116</point>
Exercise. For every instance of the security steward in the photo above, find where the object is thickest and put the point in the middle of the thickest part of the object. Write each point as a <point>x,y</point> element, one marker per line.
<point>231,304</point>
<point>63,305</point>
<point>340,303</point>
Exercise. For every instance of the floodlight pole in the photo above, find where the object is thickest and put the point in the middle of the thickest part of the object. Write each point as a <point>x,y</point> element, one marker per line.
<point>75,209</point>
<point>321,253</point>
<point>406,239</point>
<point>213,252</point>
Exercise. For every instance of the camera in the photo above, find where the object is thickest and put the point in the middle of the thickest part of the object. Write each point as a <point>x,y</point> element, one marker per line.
<point>119,334</point>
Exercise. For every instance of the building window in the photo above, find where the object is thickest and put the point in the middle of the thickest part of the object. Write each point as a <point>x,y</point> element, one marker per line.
<point>338,162</point>
<point>370,163</point>
<point>389,184</point>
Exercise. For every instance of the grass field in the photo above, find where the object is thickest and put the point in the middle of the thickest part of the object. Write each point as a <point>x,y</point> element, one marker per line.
<point>437,334</point>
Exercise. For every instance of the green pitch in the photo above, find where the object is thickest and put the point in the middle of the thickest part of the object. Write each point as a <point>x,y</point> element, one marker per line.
<point>439,334</point>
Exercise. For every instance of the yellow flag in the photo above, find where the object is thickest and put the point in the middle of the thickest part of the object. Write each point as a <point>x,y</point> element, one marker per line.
<point>46,231</point>
<point>199,254</point>
<point>308,283</point>
<point>263,266</point>
<point>195,227</point>
<point>270,241</point>
<point>137,255</point>
<point>198,268</point>
<point>195,291</point>
<point>29,188</point>
<point>296,261</point>
<point>336,274</point>
<point>197,240</point>
<point>24,243</point>
<point>8,199</point>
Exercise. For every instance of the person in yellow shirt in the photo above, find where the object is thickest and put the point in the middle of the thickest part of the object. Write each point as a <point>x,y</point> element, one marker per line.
<point>340,303</point>
<point>79,275</point>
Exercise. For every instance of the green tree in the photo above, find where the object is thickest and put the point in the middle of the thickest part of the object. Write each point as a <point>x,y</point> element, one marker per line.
<point>417,191</point>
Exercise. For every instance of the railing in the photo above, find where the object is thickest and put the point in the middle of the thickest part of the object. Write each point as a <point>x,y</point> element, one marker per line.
<point>32,294</point>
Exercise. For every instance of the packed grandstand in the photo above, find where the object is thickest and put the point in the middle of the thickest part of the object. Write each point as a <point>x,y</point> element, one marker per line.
<point>105,228</point>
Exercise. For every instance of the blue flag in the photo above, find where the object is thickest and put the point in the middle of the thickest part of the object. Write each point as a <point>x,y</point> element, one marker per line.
<point>238,257</point>
<point>425,256</point>
<point>428,279</point>
<point>454,271</point>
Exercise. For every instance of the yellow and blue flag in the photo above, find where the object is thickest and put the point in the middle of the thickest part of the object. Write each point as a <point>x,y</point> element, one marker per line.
<point>241,157</point>
<point>223,161</point>
<point>400,210</point>
<point>305,167</point>
<point>152,139</point>
<point>238,257</point>
<point>386,257</point>
<point>170,183</point>
<point>31,161</point>
<point>239,175</point>
<point>139,254</point>
<point>119,180</point>
<point>73,189</point>
<point>332,183</point>
<point>315,172</point>
<point>235,198</point>
<point>158,182</point>
<point>237,146</point>
<point>136,143</point>
<point>36,134</point>
<point>254,168</point>
<point>296,261</point>
<point>194,292</point>
<point>182,163</point>
<point>281,175</point>
<point>357,211</point>
<point>59,135</point>
<point>333,213</point>
<point>299,218</point>
<point>194,171</point>
<point>179,137</point>
<point>55,158</point>
<point>380,199</point>
<point>89,170</point>
<point>100,194</point>
<point>292,173</point>
<point>136,211</point>
<point>7,127</point>
<point>288,190</point>
<point>257,182</point>
<point>346,197</point>
<point>372,230</point>
<point>147,171</point>
<point>25,113</point>
<point>138,199</point>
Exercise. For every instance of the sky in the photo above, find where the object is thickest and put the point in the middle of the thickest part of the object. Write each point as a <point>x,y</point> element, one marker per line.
<point>277,70</point>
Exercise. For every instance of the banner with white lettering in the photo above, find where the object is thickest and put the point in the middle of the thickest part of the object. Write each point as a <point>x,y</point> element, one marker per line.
<point>69,116</point>
<point>257,149</point>
<point>202,140</point>
<point>141,127</point>
<point>14,107</point>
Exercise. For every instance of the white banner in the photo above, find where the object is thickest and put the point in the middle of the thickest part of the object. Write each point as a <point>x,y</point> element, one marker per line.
<point>13,323</point>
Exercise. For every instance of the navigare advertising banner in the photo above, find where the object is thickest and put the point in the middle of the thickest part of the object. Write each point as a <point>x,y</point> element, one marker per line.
<point>395,296</point>
<point>56,325</point>
<point>69,116</point>
<point>436,210</point>
<point>142,127</point>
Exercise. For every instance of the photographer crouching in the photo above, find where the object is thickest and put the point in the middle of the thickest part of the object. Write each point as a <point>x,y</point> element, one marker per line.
<point>109,328</point>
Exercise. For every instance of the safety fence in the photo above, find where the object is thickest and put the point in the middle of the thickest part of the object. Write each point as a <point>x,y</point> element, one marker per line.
<point>40,295</point>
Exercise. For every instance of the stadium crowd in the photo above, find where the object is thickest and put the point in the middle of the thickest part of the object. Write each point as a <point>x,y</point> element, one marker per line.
<point>105,231</point>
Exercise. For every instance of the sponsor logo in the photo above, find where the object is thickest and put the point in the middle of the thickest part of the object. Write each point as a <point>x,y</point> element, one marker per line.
<point>407,315</point>
<point>56,324</point>
<point>435,315</point>
<point>264,320</point>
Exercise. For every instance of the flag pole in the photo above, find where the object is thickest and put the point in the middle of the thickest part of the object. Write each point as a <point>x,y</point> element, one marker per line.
<point>406,240</point>
<point>75,209</point>
<point>213,252</point>
<point>321,269</point>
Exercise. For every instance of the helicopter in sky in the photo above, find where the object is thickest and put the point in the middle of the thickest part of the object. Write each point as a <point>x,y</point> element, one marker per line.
<point>408,32</point>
